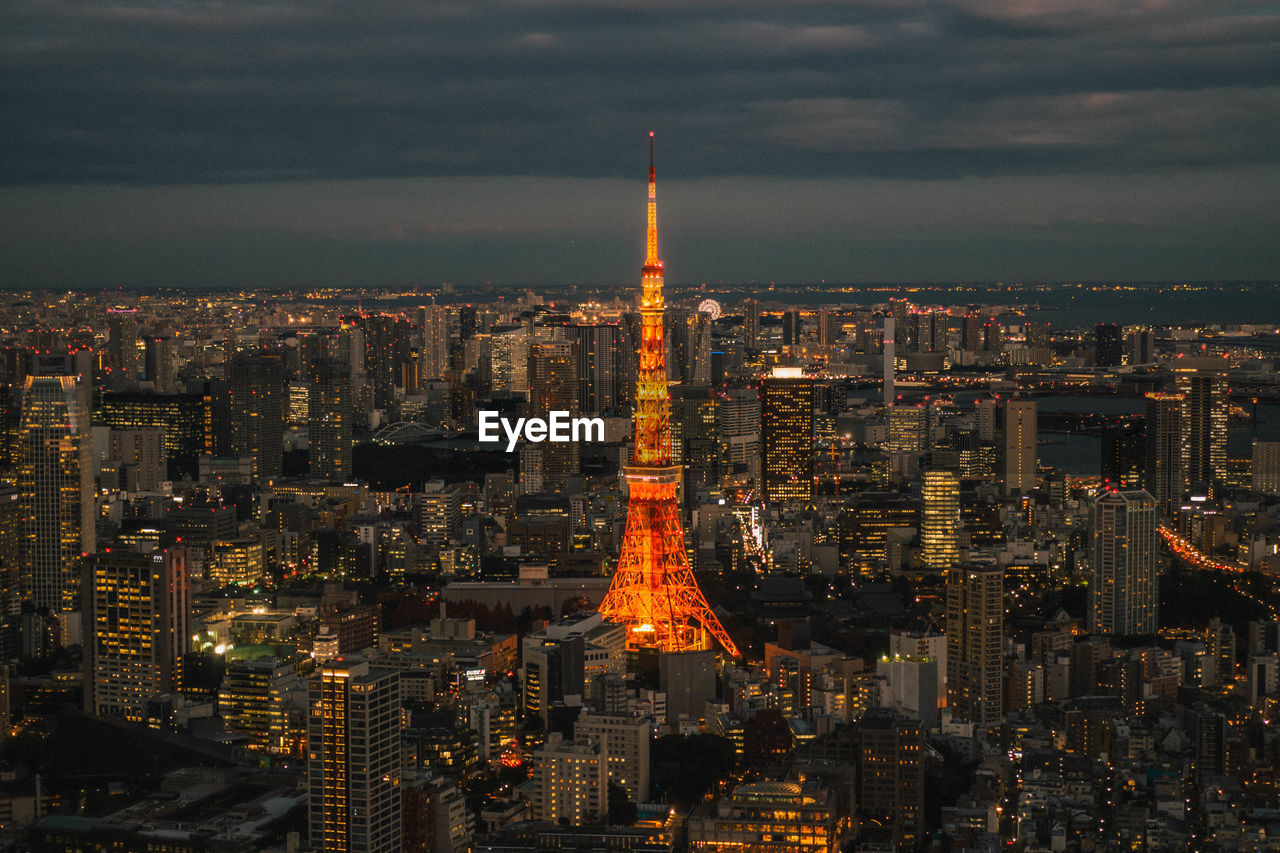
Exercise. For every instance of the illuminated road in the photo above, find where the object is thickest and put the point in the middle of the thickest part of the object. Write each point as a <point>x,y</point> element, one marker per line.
<point>1189,554</point>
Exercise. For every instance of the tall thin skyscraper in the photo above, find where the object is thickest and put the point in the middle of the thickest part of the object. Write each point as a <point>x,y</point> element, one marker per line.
<point>1019,446</point>
<point>55,490</point>
<point>257,411</point>
<point>940,521</point>
<point>792,326</point>
<point>1204,422</point>
<point>386,347</point>
<point>434,356</point>
<point>599,347</point>
<point>1123,590</point>
<point>751,324</point>
<point>553,386</point>
<point>890,355</point>
<point>137,611</point>
<point>1165,475</point>
<point>786,426</point>
<point>353,759</point>
<point>329,419</point>
<point>975,635</point>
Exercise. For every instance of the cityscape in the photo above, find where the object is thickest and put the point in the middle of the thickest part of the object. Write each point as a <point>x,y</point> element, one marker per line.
<point>639,426</point>
<point>926,572</point>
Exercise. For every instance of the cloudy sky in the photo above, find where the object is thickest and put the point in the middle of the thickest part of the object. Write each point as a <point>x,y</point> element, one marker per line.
<point>373,142</point>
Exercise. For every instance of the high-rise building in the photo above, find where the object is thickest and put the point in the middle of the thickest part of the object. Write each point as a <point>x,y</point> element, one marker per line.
<point>1204,420</point>
<point>1109,344</point>
<point>1123,456</point>
<point>434,357</point>
<point>159,363</point>
<point>940,520</point>
<point>353,759</point>
<point>828,326</point>
<point>891,773</point>
<point>137,611</point>
<point>553,386</point>
<point>256,383</point>
<point>329,417</point>
<point>1165,473</point>
<point>975,636</point>
<point>253,700</point>
<point>751,324</point>
<point>386,347</point>
<point>55,490</point>
<point>187,421</point>
<point>786,427</point>
<point>908,428</point>
<point>570,781</point>
<point>792,326</point>
<point>625,741</point>
<point>599,347</point>
<point>1123,588</point>
<point>122,343</point>
<point>1266,467</point>
<point>693,437</point>
<point>738,425</point>
<point>10,551</point>
<point>1019,446</point>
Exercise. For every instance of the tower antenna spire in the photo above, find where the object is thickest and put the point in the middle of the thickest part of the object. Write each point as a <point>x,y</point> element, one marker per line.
<point>654,591</point>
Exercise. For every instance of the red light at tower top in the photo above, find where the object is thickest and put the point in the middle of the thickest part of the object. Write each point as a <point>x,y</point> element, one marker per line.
<point>653,590</point>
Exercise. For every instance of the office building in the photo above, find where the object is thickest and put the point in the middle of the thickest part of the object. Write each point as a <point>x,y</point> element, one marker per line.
<point>940,520</point>
<point>624,739</point>
<point>1123,586</point>
<point>256,386</point>
<point>570,781</point>
<point>137,610</point>
<point>353,759</point>
<point>1123,456</point>
<point>1266,467</point>
<point>891,774</point>
<point>434,354</point>
<point>769,817</point>
<point>1019,446</point>
<point>751,324</point>
<point>253,701</point>
<point>599,348</point>
<point>553,387</point>
<point>329,416</point>
<point>786,426</point>
<point>1205,406</point>
<point>909,427</point>
<point>187,421</point>
<point>1165,473</point>
<point>738,426</point>
<point>975,636</point>
<point>1109,345</point>
<point>55,490</point>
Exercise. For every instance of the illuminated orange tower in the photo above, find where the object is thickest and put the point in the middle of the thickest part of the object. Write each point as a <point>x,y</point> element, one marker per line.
<point>653,589</point>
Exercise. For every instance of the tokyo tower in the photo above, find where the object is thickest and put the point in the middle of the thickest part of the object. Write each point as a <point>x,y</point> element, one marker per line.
<point>653,590</point>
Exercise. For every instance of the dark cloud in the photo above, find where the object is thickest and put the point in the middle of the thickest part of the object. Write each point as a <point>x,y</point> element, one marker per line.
<point>156,93</point>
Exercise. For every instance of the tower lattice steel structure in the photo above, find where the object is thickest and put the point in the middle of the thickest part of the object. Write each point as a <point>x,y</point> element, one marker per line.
<point>654,590</point>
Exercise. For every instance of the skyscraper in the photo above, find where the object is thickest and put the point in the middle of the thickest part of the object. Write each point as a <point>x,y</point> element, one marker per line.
<point>975,635</point>
<point>792,326</point>
<point>1123,456</point>
<point>1165,476</point>
<point>1109,344</point>
<point>738,424</point>
<point>353,759</point>
<point>386,347</point>
<point>329,417</point>
<point>1019,446</point>
<point>598,347</point>
<point>55,488</point>
<point>1204,420</point>
<point>940,521</point>
<point>1123,590</point>
<point>786,432</point>
<point>434,357</point>
<point>553,387</point>
<point>137,611</point>
<point>751,324</point>
<point>257,411</point>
